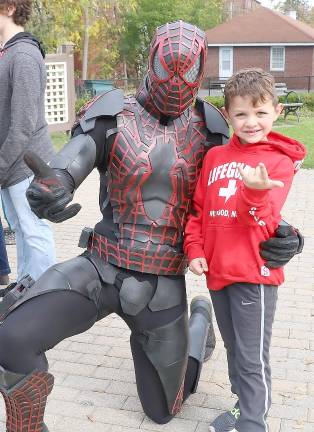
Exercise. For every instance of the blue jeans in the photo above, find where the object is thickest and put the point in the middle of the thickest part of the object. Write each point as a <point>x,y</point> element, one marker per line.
<point>34,238</point>
<point>4,262</point>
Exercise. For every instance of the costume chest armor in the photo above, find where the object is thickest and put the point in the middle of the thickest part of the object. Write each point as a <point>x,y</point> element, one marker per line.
<point>152,174</point>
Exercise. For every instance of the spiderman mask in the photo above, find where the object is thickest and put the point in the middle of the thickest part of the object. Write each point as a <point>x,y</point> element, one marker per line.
<point>176,66</point>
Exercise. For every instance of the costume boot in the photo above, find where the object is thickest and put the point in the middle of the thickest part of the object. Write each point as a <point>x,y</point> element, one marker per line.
<point>201,331</point>
<point>25,398</point>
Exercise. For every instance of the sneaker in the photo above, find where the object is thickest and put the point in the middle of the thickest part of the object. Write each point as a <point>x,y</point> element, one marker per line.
<point>226,422</point>
<point>4,291</point>
<point>4,280</point>
<point>9,236</point>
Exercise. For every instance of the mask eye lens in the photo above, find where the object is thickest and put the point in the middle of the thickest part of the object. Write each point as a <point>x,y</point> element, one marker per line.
<point>159,70</point>
<point>192,74</point>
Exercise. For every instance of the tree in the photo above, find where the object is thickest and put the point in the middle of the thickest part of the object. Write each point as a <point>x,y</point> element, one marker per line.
<point>56,22</point>
<point>302,8</point>
<point>86,23</point>
<point>141,22</point>
<point>119,31</point>
<point>42,24</point>
<point>203,13</point>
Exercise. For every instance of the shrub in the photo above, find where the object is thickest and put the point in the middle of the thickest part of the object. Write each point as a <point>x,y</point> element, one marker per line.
<point>218,101</point>
<point>81,102</point>
<point>292,98</point>
<point>306,98</point>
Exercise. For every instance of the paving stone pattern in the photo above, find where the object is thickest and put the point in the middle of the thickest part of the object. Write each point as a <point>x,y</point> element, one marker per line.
<point>95,387</point>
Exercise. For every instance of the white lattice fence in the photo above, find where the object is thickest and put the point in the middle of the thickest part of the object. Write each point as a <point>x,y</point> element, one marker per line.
<point>60,95</point>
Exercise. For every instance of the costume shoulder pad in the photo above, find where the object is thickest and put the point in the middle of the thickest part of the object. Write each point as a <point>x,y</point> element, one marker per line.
<point>216,122</point>
<point>109,103</point>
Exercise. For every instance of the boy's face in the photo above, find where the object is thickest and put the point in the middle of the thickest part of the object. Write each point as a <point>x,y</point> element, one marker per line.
<point>252,123</point>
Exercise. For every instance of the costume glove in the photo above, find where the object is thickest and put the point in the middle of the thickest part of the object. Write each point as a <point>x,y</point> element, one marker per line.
<point>278,251</point>
<point>47,195</point>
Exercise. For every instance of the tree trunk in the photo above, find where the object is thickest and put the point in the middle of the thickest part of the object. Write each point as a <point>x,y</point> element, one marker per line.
<point>125,73</point>
<point>86,44</point>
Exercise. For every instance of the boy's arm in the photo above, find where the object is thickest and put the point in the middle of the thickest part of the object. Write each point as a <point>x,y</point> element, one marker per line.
<point>262,207</point>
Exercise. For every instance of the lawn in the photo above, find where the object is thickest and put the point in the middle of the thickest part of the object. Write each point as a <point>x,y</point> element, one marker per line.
<point>59,139</point>
<point>303,131</point>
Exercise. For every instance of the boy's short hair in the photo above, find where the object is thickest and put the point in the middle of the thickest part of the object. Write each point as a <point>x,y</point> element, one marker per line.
<point>23,10</point>
<point>253,82</point>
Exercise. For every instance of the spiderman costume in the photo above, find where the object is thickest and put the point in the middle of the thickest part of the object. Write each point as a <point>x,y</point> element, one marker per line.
<point>148,150</point>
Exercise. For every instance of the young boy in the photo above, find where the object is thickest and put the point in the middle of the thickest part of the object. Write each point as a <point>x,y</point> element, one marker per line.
<point>237,203</point>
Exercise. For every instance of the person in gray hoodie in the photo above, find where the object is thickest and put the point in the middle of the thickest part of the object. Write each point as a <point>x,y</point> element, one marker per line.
<point>23,127</point>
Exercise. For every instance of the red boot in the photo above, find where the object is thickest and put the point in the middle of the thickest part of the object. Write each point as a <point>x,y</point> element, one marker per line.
<point>25,399</point>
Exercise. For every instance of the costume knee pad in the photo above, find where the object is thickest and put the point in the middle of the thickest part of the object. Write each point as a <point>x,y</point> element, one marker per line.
<point>167,349</point>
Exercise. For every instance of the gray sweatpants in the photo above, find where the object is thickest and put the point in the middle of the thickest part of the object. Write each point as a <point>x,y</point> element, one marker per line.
<point>245,314</point>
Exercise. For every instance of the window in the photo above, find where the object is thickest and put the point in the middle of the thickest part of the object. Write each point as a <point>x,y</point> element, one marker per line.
<point>225,62</point>
<point>277,58</point>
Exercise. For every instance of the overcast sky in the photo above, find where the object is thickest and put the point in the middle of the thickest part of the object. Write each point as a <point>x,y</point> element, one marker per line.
<point>268,2</point>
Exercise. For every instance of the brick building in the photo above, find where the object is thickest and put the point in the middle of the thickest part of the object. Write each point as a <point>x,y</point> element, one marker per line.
<point>264,38</point>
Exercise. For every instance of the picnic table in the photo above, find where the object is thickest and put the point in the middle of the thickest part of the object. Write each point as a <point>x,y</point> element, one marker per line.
<point>218,84</point>
<point>281,88</point>
<point>292,106</point>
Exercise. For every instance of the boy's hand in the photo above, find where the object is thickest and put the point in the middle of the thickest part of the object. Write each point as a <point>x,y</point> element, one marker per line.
<point>198,266</point>
<point>257,178</point>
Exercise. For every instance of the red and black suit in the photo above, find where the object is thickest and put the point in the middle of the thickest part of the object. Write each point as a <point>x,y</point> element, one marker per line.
<point>148,150</point>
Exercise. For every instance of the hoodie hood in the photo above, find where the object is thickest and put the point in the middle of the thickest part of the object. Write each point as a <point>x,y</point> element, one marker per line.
<point>290,147</point>
<point>25,37</point>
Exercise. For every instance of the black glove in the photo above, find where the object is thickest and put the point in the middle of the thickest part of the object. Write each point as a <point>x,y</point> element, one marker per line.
<point>279,250</point>
<point>47,196</point>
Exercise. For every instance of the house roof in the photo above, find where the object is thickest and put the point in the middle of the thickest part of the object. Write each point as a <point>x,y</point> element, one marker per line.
<point>261,26</point>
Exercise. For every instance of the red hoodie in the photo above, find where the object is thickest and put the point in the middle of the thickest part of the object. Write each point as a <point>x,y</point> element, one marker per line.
<point>229,220</point>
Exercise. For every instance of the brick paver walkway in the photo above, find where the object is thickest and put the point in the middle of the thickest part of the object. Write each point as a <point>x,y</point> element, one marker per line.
<point>95,386</point>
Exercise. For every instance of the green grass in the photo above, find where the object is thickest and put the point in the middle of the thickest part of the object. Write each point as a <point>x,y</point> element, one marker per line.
<point>303,131</point>
<point>59,139</point>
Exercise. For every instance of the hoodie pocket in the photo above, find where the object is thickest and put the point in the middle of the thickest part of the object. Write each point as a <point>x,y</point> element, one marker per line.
<point>231,252</point>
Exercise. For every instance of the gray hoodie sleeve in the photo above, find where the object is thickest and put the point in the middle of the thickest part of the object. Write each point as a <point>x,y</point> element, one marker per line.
<point>27,88</point>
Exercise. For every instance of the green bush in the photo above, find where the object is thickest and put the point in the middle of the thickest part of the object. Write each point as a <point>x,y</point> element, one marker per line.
<point>218,101</point>
<point>292,98</point>
<point>306,98</point>
<point>81,102</point>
